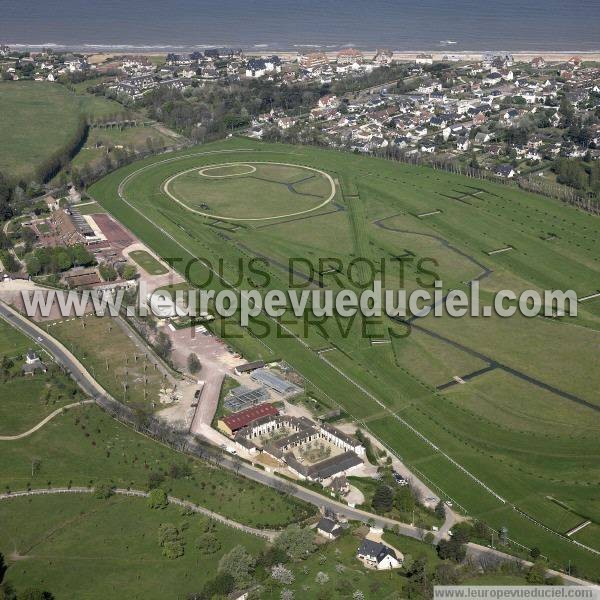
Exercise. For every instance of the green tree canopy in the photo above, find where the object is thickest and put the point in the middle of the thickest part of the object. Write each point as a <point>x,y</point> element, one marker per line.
<point>157,498</point>
<point>297,542</point>
<point>240,564</point>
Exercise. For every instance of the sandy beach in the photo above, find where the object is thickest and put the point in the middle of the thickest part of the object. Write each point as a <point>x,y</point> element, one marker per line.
<point>438,55</point>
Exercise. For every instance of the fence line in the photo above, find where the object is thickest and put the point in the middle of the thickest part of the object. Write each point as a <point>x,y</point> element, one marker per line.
<point>267,534</point>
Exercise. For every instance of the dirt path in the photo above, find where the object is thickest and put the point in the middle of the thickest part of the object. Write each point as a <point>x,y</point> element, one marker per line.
<point>58,411</point>
<point>268,534</point>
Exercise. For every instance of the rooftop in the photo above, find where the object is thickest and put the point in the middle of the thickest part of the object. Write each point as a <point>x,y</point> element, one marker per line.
<point>245,417</point>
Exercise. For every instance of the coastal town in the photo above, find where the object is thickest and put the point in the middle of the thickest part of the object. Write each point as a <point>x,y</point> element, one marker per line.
<point>496,115</point>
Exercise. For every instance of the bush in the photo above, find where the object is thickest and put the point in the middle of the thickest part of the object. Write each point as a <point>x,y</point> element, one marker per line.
<point>157,499</point>
<point>208,543</point>
<point>103,491</point>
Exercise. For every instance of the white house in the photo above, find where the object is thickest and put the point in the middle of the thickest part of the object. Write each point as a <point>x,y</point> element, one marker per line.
<point>378,556</point>
<point>424,59</point>
<point>504,171</point>
<point>463,144</point>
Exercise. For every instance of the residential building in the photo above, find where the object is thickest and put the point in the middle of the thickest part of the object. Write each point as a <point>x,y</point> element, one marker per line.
<point>424,59</point>
<point>377,555</point>
<point>349,56</point>
<point>329,528</point>
<point>383,57</point>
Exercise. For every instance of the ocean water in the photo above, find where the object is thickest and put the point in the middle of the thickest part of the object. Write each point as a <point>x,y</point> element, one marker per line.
<point>471,25</point>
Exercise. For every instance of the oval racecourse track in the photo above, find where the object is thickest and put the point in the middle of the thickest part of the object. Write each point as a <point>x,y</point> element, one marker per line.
<point>202,171</point>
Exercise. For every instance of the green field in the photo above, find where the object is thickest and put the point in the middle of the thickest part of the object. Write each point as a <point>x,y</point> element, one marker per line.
<point>45,112</point>
<point>250,191</point>
<point>26,401</point>
<point>44,118</point>
<point>120,367</point>
<point>101,141</point>
<point>12,342</point>
<point>148,262</point>
<point>81,547</point>
<point>85,446</point>
<point>89,208</point>
<point>527,428</point>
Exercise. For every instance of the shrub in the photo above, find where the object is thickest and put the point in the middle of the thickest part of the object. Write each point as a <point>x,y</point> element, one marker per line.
<point>158,499</point>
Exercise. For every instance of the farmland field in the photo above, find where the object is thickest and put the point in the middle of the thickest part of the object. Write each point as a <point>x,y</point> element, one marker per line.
<point>523,427</point>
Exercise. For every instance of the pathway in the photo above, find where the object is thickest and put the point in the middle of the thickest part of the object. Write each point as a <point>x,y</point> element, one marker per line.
<point>268,534</point>
<point>58,411</point>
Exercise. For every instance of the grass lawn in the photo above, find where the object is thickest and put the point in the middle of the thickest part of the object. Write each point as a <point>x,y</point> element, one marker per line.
<point>28,400</point>
<point>368,486</point>
<point>89,208</point>
<point>80,547</point>
<point>266,192</point>
<point>148,262</point>
<point>112,358</point>
<point>43,117</point>
<point>12,342</point>
<point>84,446</point>
<point>542,444</point>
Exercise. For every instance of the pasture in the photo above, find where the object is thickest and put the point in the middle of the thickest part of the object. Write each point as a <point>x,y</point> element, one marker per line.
<point>42,118</point>
<point>81,547</point>
<point>28,400</point>
<point>84,446</point>
<point>523,425</point>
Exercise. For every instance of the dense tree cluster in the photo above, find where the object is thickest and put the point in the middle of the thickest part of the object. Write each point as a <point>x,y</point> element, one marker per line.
<point>57,259</point>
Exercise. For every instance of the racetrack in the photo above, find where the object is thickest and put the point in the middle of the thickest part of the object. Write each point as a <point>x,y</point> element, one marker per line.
<point>242,196</point>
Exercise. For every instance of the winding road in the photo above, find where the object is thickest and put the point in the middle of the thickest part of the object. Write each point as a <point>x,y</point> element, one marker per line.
<point>91,387</point>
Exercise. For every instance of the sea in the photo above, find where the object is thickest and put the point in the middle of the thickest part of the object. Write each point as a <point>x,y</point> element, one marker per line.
<point>296,25</point>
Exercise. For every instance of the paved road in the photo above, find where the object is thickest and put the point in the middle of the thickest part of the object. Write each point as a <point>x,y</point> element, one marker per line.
<point>208,401</point>
<point>89,385</point>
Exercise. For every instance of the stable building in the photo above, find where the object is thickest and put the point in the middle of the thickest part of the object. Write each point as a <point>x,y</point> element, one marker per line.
<point>233,423</point>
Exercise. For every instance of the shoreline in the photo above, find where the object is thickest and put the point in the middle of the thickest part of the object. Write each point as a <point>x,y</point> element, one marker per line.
<point>557,56</point>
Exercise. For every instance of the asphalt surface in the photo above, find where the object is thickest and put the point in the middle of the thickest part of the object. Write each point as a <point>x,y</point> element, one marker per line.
<point>56,349</point>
